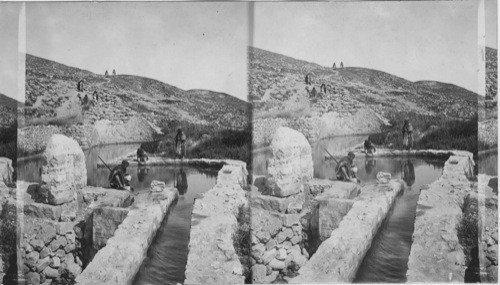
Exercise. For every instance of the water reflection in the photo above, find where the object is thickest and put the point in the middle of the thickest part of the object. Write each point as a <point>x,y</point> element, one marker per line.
<point>408,173</point>
<point>142,172</point>
<point>370,164</point>
<point>167,255</point>
<point>181,182</point>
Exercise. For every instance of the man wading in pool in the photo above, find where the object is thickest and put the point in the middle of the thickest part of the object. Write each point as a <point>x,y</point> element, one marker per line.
<point>118,178</point>
<point>345,170</point>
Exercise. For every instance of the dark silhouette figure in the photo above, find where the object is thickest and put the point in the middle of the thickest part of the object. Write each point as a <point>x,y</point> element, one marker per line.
<point>180,143</point>
<point>370,164</point>
<point>95,96</point>
<point>142,172</point>
<point>114,72</point>
<point>85,100</point>
<point>142,157</point>
<point>407,135</point>
<point>106,73</point>
<point>117,176</point>
<point>341,64</point>
<point>181,182</point>
<point>323,88</point>
<point>369,148</point>
<point>408,173</point>
<point>308,79</point>
<point>314,92</point>
<point>334,65</point>
<point>80,86</point>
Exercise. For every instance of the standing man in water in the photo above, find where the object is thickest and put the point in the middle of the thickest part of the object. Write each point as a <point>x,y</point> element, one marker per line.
<point>345,169</point>
<point>117,176</point>
<point>142,157</point>
<point>407,135</point>
<point>180,143</point>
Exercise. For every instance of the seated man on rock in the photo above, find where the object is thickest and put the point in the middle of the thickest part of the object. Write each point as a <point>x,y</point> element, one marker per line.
<point>345,169</point>
<point>118,178</point>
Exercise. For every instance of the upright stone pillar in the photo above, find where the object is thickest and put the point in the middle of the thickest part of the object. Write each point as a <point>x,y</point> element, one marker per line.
<point>63,171</point>
<point>277,236</point>
<point>291,165</point>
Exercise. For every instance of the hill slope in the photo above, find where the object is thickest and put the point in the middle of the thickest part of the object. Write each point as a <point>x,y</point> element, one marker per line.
<point>8,110</point>
<point>358,100</point>
<point>53,104</point>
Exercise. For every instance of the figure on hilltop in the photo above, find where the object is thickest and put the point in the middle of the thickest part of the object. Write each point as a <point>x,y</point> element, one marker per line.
<point>341,64</point>
<point>313,92</point>
<point>323,88</point>
<point>334,66</point>
<point>308,79</point>
<point>114,72</point>
<point>79,86</point>
<point>106,73</point>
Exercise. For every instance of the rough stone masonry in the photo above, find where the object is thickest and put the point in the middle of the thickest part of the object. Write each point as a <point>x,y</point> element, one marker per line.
<point>276,228</point>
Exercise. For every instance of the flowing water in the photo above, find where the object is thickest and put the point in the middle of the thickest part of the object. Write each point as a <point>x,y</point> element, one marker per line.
<point>167,255</point>
<point>387,259</point>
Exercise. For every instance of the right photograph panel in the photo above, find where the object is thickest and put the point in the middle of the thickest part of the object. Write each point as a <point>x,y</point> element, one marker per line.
<point>365,143</point>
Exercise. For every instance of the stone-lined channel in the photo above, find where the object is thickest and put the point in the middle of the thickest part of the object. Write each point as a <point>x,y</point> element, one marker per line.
<point>167,255</point>
<point>387,259</point>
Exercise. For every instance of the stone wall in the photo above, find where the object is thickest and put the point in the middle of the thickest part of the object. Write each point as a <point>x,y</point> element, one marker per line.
<point>436,254</point>
<point>488,226</point>
<point>337,259</point>
<point>213,257</point>
<point>120,259</point>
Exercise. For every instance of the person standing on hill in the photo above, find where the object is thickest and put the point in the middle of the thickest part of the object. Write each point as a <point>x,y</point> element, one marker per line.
<point>180,143</point>
<point>106,73</point>
<point>407,135</point>
<point>114,72</point>
<point>341,64</point>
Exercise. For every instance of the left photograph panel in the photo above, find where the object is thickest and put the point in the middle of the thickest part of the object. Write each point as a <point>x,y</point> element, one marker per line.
<point>134,144</point>
<point>9,104</point>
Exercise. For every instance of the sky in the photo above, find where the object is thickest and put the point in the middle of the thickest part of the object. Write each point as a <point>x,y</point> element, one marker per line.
<point>188,45</point>
<point>9,21</point>
<point>491,21</point>
<point>434,40</point>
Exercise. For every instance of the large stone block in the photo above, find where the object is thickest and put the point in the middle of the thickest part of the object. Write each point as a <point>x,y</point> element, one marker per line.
<point>6,171</point>
<point>277,204</point>
<point>43,211</point>
<point>291,164</point>
<point>105,222</point>
<point>64,171</point>
<point>334,189</point>
<point>328,214</point>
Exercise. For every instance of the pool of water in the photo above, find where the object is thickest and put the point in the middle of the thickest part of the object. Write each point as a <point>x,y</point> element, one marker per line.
<point>29,169</point>
<point>167,255</point>
<point>488,163</point>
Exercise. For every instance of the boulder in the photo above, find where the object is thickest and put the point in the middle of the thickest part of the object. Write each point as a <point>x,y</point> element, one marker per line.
<point>33,278</point>
<point>157,186</point>
<point>291,163</point>
<point>63,171</point>
<point>383,177</point>
<point>6,171</point>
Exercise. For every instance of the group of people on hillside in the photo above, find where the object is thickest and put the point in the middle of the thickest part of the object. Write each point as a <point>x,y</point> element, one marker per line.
<point>120,179</point>
<point>346,170</point>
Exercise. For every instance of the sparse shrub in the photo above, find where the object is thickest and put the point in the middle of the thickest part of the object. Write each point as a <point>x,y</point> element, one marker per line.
<point>242,242</point>
<point>467,230</point>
